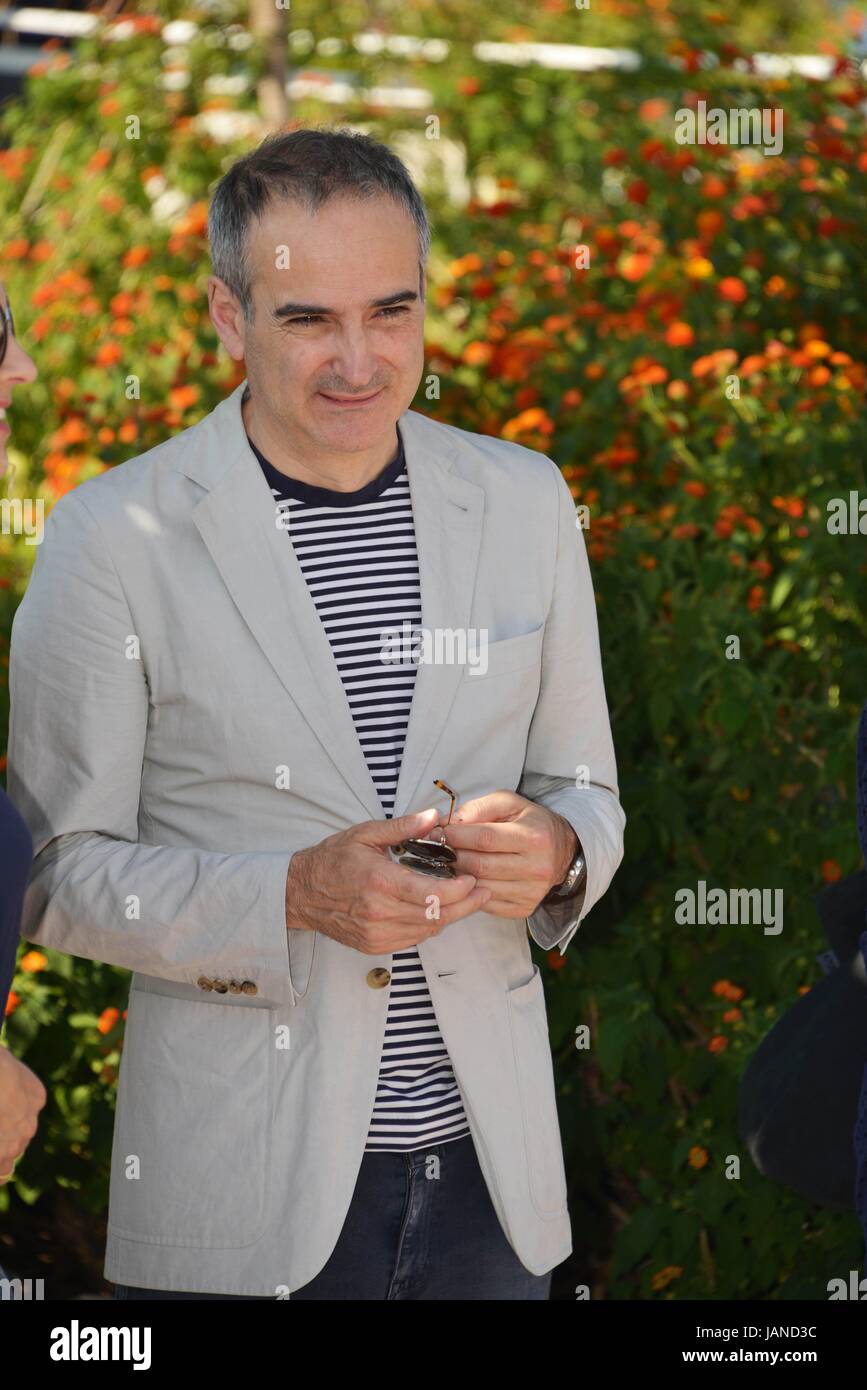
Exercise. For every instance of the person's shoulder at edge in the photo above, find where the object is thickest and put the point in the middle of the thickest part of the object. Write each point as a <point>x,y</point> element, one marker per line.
<point>111,496</point>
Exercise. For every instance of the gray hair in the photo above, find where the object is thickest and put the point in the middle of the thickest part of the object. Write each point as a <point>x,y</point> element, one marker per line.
<point>308,166</point>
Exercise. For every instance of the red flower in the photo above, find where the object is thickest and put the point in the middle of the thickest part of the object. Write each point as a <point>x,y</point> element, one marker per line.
<point>733,290</point>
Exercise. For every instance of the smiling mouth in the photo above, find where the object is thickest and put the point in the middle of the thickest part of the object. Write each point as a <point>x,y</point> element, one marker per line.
<point>350,400</point>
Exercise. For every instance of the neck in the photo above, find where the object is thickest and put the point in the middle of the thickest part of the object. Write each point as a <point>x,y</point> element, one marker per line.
<point>339,472</point>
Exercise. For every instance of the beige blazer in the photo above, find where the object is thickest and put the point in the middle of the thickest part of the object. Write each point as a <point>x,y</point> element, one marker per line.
<point>167,662</point>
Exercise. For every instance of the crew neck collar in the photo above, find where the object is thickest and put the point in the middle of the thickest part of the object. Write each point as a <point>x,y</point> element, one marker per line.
<point>330,497</point>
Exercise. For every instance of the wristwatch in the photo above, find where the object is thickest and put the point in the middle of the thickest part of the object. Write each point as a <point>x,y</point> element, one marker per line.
<point>572,882</point>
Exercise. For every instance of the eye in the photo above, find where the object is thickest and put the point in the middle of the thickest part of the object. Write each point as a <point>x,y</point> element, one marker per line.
<point>393,310</point>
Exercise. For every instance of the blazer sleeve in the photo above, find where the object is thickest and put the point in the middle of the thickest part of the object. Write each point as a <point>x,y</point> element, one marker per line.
<point>570,765</point>
<point>78,723</point>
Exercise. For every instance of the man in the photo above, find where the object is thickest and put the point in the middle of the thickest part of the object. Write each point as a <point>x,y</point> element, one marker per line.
<point>336,1081</point>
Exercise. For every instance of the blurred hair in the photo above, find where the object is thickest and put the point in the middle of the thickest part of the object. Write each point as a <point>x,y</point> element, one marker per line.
<point>309,167</point>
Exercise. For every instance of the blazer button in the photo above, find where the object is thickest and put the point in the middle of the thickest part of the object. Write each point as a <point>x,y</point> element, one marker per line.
<point>378,978</point>
<point>234,987</point>
<point>204,983</point>
<point>220,986</point>
<point>247,987</point>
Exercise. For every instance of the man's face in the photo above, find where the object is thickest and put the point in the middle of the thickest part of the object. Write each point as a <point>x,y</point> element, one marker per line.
<point>342,260</point>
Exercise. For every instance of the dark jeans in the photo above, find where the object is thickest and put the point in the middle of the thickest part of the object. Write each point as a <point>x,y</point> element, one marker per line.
<point>415,1229</point>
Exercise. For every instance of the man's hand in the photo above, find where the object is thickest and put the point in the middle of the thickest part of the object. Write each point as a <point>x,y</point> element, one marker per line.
<point>22,1096</point>
<point>513,846</point>
<point>348,887</point>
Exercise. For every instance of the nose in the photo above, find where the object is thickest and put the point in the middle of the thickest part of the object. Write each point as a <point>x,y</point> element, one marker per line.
<point>17,367</point>
<point>354,361</point>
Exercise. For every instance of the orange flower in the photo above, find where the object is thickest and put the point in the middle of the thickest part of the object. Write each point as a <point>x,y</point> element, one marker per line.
<point>72,431</point>
<point>695,488</point>
<point>726,990</point>
<point>732,289</point>
<point>709,222</point>
<point>732,1016</point>
<point>128,432</point>
<point>775,286</point>
<point>697,1157</point>
<point>653,109</point>
<point>14,999</point>
<point>99,160</point>
<point>465,266</point>
<point>33,961</point>
<point>534,419</point>
<point>831,870</point>
<point>679,334</point>
<point>477,354</point>
<point>677,390</point>
<point>107,354</point>
<point>634,265</point>
<point>122,304</point>
<point>182,397</point>
<point>752,364</point>
<point>136,255</point>
<point>712,186</point>
<point>555,960</point>
<point>714,362</point>
<point>107,1019</point>
<point>193,222</point>
<point>718,1043</point>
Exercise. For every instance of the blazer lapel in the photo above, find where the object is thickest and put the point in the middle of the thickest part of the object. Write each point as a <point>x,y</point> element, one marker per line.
<point>237,522</point>
<point>448,513</point>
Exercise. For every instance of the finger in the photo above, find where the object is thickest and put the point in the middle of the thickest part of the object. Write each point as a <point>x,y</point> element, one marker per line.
<point>416,888</point>
<point>473,902</point>
<point>495,806</point>
<point>382,833</point>
<point>502,867</point>
<point>502,837</point>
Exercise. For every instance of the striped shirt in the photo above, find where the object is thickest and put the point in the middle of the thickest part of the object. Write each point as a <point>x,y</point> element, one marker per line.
<point>357,553</point>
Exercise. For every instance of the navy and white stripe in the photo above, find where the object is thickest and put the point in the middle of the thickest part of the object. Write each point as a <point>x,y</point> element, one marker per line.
<point>357,553</point>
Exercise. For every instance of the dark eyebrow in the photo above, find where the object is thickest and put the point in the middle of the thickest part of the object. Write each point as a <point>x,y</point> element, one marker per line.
<point>286,311</point>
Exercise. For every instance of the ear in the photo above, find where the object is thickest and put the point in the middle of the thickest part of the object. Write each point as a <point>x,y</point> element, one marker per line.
<point>227,317</point>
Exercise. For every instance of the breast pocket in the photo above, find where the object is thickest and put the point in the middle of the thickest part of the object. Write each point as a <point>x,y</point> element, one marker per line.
<point>190,1159</point>
<point>512,654</point>
<point>535,1072</point>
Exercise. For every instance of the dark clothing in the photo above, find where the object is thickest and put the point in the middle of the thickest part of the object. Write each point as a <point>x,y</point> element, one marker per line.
<point>16,855</point>
<point>861,1122</point>
<point>421,1226</point>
